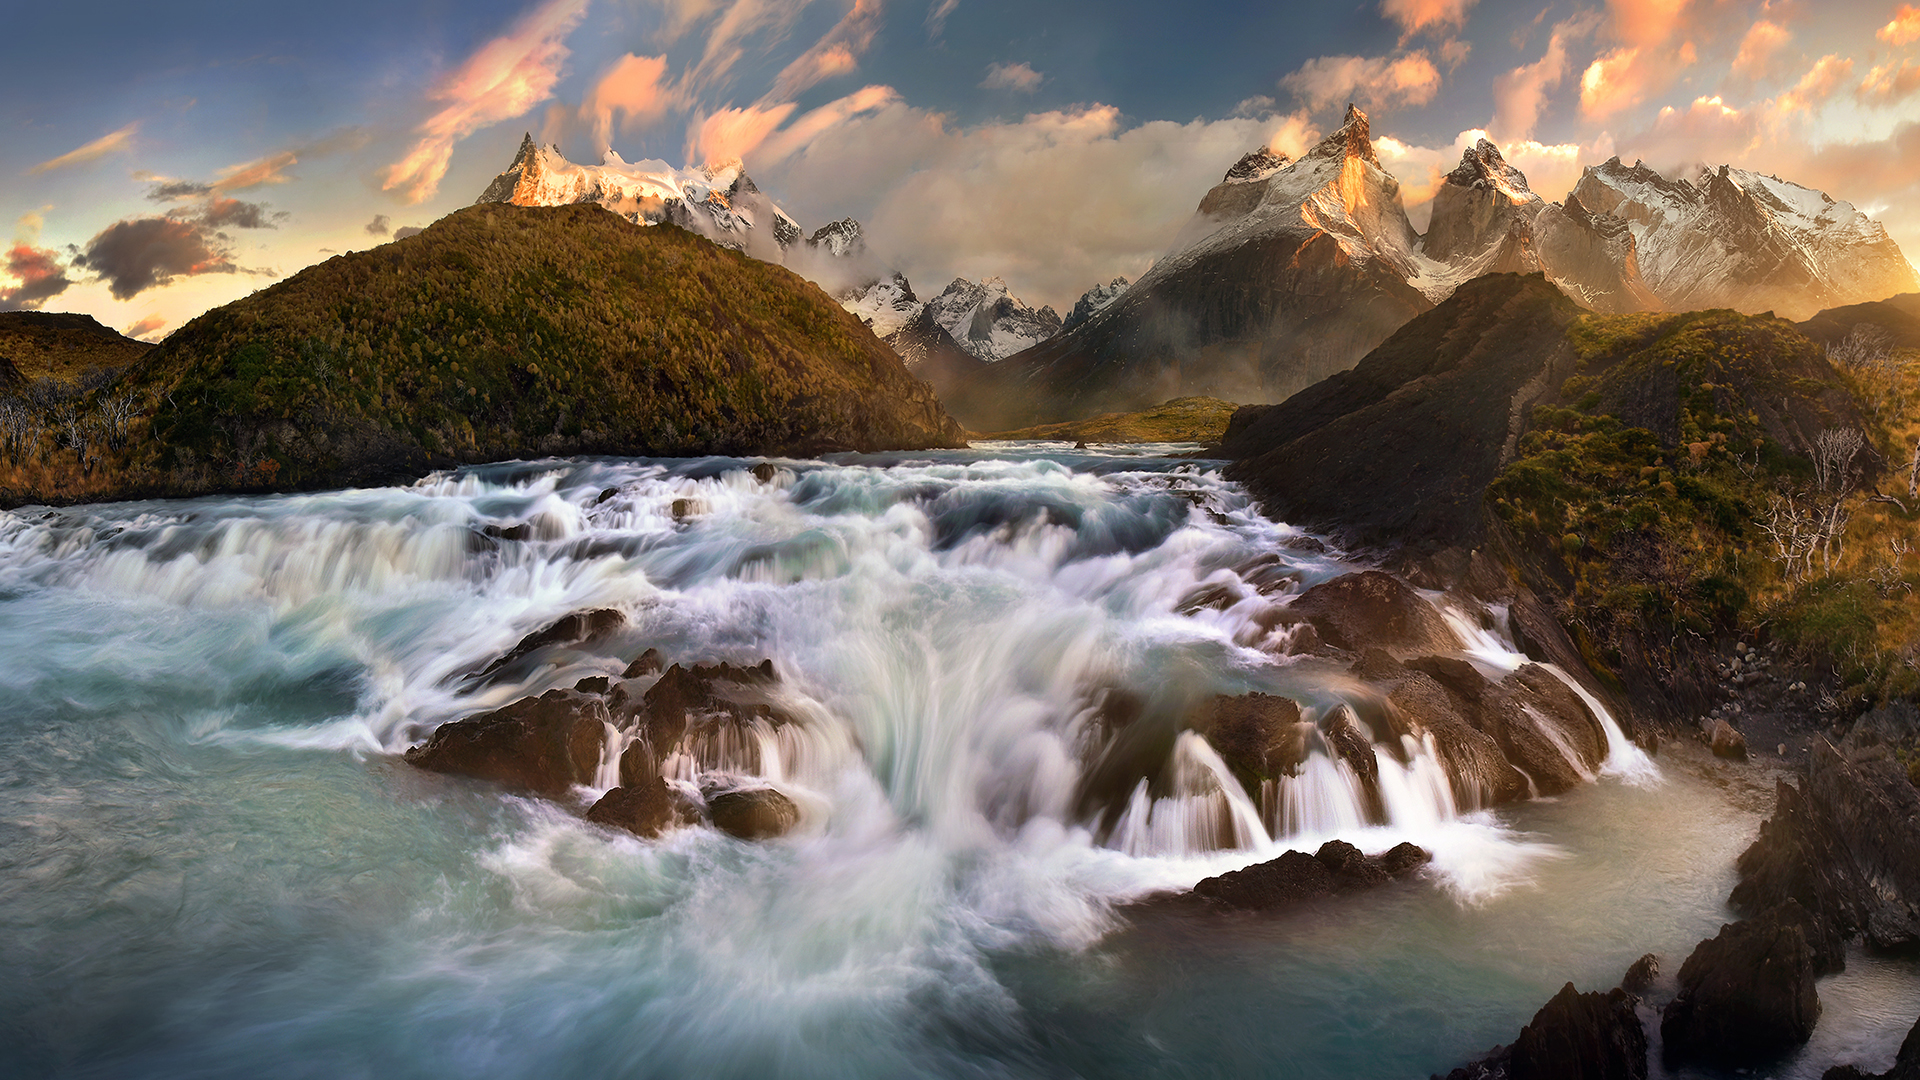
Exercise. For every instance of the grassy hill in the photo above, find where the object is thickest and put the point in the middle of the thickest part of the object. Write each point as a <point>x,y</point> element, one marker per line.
<point>1187,419</point>
<point>499,332</point>
<point>57,345</point>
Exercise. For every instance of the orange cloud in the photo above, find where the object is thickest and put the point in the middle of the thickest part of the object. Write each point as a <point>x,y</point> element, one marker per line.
<point>1417,15</point>
<point>98,148</point>
<point>1379,80</point>
<point>145,326</point>
<point>798,134</point>
<point>1519,95</point>
<point>632,87</point>
<point>506,77</point>
<point>1888,83</point>
<point>39,273</point>
<point>1612,83</point>
<point>837,52</point>
<point>1904,28</point>
<point>732,134</point>
<point>1819,83</point>
<point>267,170</point>
<point>1646,22</point>
<point>1763,40</point>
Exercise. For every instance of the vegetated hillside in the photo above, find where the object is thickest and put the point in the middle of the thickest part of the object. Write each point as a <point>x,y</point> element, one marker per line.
<point>1898,317</point>
<point>1187,419</point>
<point>499,332</point>
<point>1661,480</point>
<point>57,345</point>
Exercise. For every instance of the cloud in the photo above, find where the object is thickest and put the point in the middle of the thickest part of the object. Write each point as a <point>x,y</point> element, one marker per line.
<point>1819,83</point>
<point>1889,84</point>
<point>178,190</point>
<point>503,79</point>
<point>1051,202</point>
<point>733,133</point>
<point>1417,15</point>
<point>837,52</point>
<point>222,213</point>
<point>138,254</point>
<point>1520,94</point>
<point>267,170</point>
<point>1551,168</point>
<point>1646,22</point>
<point>1757,49</point>
<point>405,231</point>
<point>1904,28</point>
<point>39,273</point>
<point>106,144</point>
<point>1707,131</point>
<point>937,13</point>
<point>144,328</point>
<point>1329,80</point>
<point>1019,77</point>
<point>1613,82</point>
<point>1454,52</point>
<point>632,90</point>
<point>378,226</point>
<point>804,130</point>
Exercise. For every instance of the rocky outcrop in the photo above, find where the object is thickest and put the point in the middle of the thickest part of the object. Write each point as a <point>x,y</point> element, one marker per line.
<point>1260,736</point>
<point>1095,300</point>
<point>1297,877</point>
<point>542,745</point>
<point>1539,724</point>
<point>1401,449</point>
<point>1482,219</point>
<point>1592,258</point>
<point>645,807</point>
<point>1746,995</point>
<point>1372,609</point>
<point>1574,1036</point>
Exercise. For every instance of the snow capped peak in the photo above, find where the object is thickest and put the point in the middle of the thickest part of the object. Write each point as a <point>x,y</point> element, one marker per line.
<point>841,238</point>
<point>610,157</point>
<point>1257,165</point>
<point>1094,301</point>
<point>987,320</point>
<point>1482,165</point>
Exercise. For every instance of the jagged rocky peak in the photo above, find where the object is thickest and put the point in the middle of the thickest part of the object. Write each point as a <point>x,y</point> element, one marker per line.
<point>1592,258</point>
<point>1354,139</point>
<point>987,320</point>
<point>1257,165</point>
<point>842,239</point>
<point>1483,166</point>
<point>885,305</point>
<point>1094,301</point>
<point>718,200</point>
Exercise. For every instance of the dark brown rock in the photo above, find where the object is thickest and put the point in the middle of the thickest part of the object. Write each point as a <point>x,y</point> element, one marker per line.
<point>1575,1036</point>
<point>1531,715</point>
<point>1374,609</point>
<point>703,695</point>
<point>647,663</point>
<point>1727,742</point>
<point>1640,974</point>
<point>753,813</point>
<point>1259,736</point>
<point>543,745</point>
<point>1297,877</point>
<point>644,807</point>
<point>578,628</point>
<point>1479,770</point>
<point>1746,995</point>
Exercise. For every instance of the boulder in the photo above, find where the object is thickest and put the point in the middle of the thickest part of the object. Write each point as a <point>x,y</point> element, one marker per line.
<point>1373,608</point>
<point>647,663</point>
<point>1746,995</point>
<point>644,808</point>
<point>1541,726</point>
<point>1476,764</point>
<point>1297,877</point>
<point>1259,736</point>
<point>696,697</point>
<point>542,745</point>
<point>1641,974</point>
<point>1727,742</point>
<point>1574,1036</point>
<point>578,628</point>
<point>753,813</point>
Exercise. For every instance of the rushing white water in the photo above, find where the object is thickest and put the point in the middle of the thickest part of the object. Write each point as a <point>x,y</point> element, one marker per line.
<point>210,697</point>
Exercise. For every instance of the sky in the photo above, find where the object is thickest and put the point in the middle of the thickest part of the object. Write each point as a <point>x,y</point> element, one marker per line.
<point>161,160</point>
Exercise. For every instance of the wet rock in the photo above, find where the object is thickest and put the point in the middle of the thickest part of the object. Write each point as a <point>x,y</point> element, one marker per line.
<point>578,628</point>
<point>1727,742</point>
<point>543,745</point>
<point>1373,608</point>
<point>647,663</point>
<point>1574,1036</point>
<point>1540,725</point>
<point>1297,877</point>
<point>644,807</point>
<point>1640,974</point>
<point>1906,1066</point>
<point>753,813</point>
<point>1476,765</point>
<point>1746,995</point>
<point>702,696</point>
<point>765,472</point>
<point>1351,743</point>
<point>1259,736</point>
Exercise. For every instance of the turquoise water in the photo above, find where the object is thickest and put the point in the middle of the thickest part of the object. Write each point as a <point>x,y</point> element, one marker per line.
<point>213,862</point>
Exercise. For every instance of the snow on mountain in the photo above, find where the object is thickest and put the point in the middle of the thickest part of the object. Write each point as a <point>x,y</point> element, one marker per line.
<point>719,200</point>
<point>1095,300</point>
<point>886,304</point>
<point>842,239</point>
<point>1482,224</point>
<point>1733,238</point>
<point>990,322</point>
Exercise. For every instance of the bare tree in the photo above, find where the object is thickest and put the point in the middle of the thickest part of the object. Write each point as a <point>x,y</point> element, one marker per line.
<point>1866,348</point>
<point>115,412</point>
<point>1794,530</point>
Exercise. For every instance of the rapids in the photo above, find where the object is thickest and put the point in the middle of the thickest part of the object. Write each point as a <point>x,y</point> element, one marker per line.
<point>214,863</point>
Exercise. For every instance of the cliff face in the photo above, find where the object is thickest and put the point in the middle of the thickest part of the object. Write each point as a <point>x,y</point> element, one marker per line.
<point>503,332</point>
